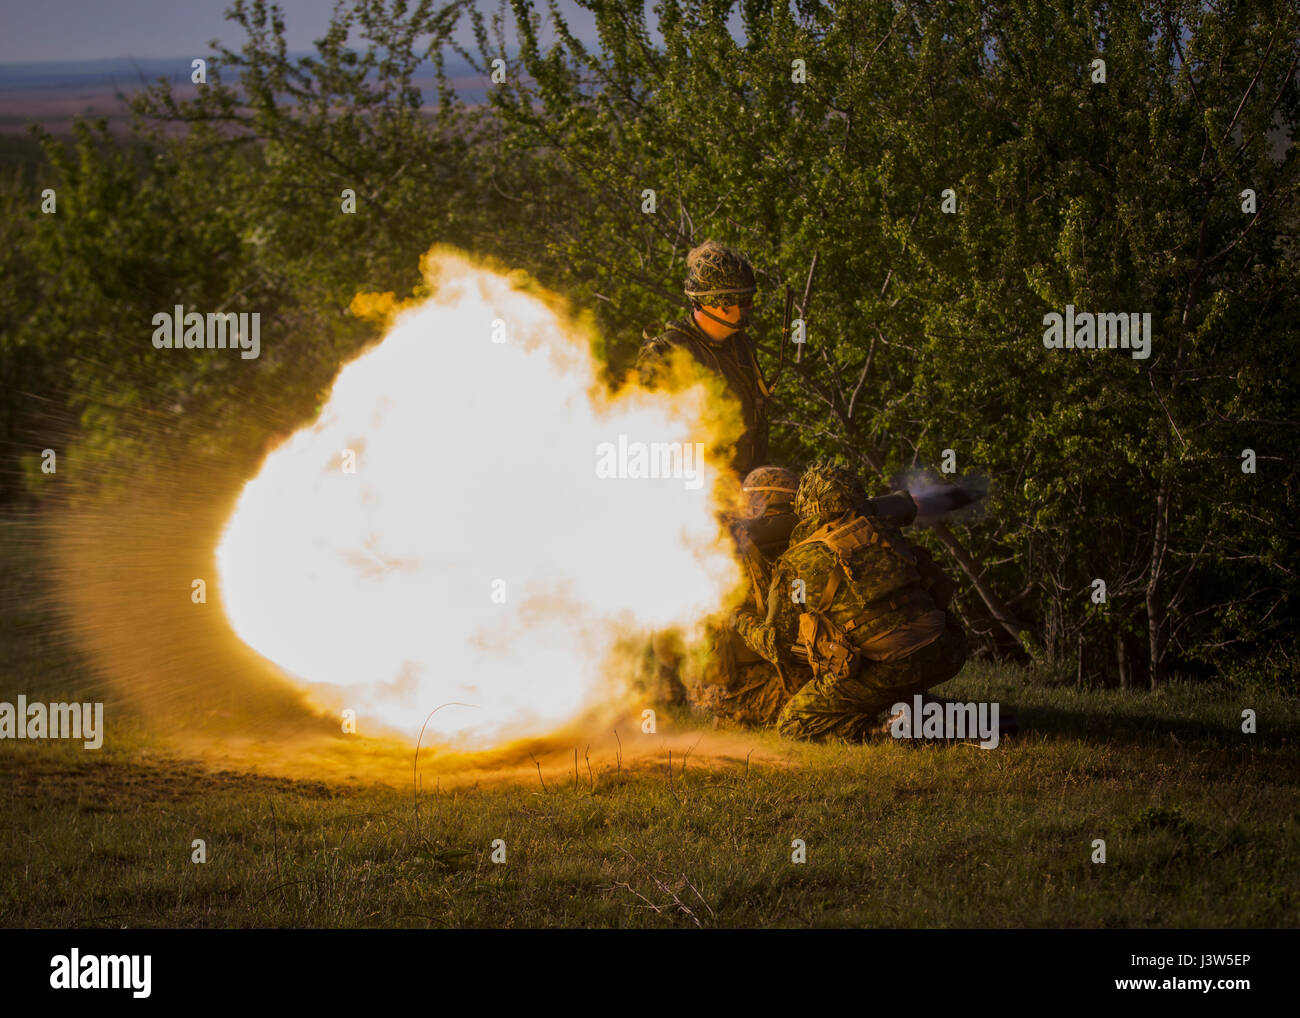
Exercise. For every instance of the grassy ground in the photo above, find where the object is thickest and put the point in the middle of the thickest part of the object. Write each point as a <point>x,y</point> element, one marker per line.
<point>1201,825</point>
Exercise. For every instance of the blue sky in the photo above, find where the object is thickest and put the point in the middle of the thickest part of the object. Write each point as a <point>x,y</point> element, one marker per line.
<point>58,30</point>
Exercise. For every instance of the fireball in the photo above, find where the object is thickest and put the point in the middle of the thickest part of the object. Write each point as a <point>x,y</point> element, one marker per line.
<point>452,530</point>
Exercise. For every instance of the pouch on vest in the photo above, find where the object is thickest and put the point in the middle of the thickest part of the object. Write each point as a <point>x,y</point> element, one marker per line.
<point>824,642</point>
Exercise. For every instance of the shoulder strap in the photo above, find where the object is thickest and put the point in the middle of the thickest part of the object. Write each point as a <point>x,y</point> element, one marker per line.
<point>850,532</point>
<point>827,535</point>
<point>652,332</point>
<point>820,534</point>
<point>846,534</point>
<point>832,585</point>
<point>756,566</point>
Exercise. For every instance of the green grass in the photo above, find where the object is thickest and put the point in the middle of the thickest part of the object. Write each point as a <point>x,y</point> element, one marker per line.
<point>1198,831</point>
<point>1201,824</point>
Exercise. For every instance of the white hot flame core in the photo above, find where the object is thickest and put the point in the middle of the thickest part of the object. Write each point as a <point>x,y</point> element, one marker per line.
<point>475,463</point>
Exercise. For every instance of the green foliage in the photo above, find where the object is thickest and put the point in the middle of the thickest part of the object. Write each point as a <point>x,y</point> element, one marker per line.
<point>925,328</point>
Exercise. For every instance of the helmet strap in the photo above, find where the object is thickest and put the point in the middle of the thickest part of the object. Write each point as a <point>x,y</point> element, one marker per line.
<point>736,326</point>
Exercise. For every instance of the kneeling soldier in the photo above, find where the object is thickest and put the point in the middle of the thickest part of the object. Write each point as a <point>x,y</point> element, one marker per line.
<point>875,632</point>
<point>734,683</point>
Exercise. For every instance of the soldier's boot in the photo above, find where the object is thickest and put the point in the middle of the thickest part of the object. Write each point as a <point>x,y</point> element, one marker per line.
<point>885,728</point>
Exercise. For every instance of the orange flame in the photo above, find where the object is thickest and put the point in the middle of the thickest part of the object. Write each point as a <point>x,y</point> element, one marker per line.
<point>462,524</point>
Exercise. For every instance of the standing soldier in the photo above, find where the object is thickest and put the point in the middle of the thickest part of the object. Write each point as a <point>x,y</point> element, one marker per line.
<point>720,285</point>
<point>873,630</point>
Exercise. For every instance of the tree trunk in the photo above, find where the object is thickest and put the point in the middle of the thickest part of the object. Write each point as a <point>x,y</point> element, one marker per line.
<point>1157,619</point>
<point>1125,678</point>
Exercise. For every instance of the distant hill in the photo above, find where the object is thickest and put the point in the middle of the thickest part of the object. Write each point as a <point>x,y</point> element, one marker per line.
<point>54,92</point>
<point>72,75</point>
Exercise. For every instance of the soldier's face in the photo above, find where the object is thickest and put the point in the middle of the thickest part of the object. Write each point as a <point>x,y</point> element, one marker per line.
<point>738,315</point>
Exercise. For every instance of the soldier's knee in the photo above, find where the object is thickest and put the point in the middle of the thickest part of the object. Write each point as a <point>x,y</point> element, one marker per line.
<point>941,660</point>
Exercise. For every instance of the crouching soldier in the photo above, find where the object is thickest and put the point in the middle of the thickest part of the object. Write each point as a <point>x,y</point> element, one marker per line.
<point>733,683</point>
<point>857,606</point>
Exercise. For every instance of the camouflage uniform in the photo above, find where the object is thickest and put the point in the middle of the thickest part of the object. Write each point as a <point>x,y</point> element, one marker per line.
<point>735,684</point>
<point>755,697</point>
<point>886,600</point>
<point>733,358</point>
<point>717,277</point>
<point>763,533</point>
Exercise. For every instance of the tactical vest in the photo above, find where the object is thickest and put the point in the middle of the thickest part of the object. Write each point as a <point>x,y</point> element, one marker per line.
<point>890,586</point>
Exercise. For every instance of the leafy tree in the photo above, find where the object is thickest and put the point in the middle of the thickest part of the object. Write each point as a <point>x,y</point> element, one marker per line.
<point>955,170</point>
<point>926,330</point>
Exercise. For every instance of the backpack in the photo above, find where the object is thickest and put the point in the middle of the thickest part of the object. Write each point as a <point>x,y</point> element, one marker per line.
<point>823,642</point>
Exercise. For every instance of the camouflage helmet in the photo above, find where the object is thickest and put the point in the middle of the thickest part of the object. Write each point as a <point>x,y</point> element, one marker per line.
<point>718,276</point>
<point>769,487</point>
<point>828,488</point>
